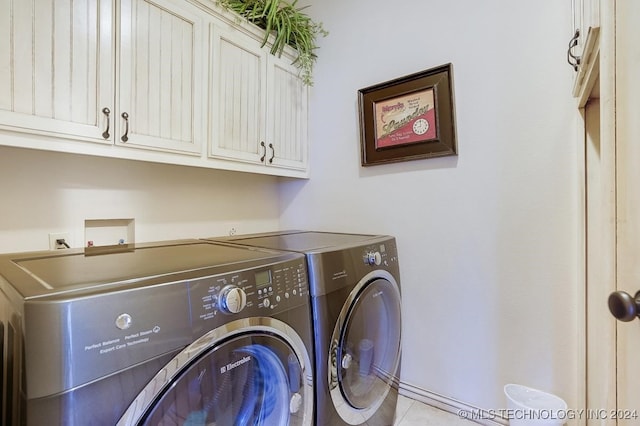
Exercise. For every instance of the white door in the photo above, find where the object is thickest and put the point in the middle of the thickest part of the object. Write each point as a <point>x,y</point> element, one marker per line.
<point>56,68</point>
<point>628,202</point>
<point>161,81</point>
<point>612,200</point>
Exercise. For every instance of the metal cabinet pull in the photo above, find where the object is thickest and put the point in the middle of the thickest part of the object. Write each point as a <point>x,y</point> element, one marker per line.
<point>106,111</point>
<point>273,153</point>
<point>124,137</point>
<point>264,151</point>
<point>573,60</point>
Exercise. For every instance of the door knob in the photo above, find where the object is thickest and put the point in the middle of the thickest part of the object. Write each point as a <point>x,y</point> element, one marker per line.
<point>623,306</point>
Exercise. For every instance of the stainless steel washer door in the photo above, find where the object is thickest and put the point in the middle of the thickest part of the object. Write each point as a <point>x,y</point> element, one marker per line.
<point>365,352</point>
<point>240,374</point>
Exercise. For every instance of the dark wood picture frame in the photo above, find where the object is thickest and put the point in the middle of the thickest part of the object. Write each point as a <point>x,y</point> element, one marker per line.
<point>409,118</point>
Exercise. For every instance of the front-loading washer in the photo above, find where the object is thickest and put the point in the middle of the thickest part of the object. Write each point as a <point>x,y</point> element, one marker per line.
<point>169,333</point>
<point>355,295</point>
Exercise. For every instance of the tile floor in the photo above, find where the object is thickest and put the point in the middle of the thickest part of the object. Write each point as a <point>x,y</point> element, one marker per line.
<point>414,413</point>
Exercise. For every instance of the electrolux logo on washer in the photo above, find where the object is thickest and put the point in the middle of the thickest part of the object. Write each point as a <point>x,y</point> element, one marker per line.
<point>232,365</point>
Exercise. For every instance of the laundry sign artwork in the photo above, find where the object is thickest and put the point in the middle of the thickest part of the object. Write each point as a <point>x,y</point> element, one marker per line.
<point>405,120</point>
<point>408,118</point>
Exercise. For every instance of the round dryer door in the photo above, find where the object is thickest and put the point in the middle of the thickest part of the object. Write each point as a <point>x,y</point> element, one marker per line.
<point>366,357</point>
<point>255,377</point>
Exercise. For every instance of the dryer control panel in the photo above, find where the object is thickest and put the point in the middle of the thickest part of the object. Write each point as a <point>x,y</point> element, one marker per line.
<point>262,291</point>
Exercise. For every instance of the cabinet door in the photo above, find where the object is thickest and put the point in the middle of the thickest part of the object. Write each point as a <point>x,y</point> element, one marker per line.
<point>56,67</point>
<point>287,137</point>
<point>586,14</point>
<point>161,77</point>
<point>238,99</point>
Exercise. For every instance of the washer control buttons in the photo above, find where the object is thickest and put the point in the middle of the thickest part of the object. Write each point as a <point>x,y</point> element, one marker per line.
<point>373,258</point>
<point>124,321</point>
<point>232,299</point>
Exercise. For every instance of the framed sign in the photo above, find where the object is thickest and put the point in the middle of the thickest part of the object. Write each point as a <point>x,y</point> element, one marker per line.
<point>408,118</point>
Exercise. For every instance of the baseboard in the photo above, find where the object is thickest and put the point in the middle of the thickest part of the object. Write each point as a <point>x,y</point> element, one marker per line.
<point>460,409</point>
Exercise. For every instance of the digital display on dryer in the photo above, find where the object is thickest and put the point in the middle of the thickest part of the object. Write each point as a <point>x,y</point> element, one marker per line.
<point>263,278</point>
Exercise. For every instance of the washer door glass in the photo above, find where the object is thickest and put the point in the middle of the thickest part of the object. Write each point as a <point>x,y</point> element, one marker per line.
<point>369,349</point>
<point>248,380</point>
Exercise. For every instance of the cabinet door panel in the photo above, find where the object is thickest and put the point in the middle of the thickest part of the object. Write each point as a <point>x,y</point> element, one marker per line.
<point>238,96</point>
<point>56,67</point>
<point>585,14</point>
<point>5,55</point>
<point>287,116</point>
<point>161,77</point>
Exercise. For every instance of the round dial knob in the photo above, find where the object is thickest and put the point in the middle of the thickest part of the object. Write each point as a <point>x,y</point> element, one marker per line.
<point>232,299</point>
<point>373,258</point>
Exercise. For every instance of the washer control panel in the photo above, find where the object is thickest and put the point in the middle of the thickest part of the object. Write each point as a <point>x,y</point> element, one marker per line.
<point>373,258</point>
<point>382,254</point>
<point>260,291</point>
<point>232,299</point>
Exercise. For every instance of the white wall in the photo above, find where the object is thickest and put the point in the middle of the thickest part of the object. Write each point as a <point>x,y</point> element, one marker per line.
<point>45,192</point>
<point>488,240</point>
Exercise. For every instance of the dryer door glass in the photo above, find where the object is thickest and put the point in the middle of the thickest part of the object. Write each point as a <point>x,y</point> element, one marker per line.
<point>248,380</point>
<point>369,350</point>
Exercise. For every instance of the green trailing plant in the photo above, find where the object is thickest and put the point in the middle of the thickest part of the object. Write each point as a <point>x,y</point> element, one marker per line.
<point>289,26</point>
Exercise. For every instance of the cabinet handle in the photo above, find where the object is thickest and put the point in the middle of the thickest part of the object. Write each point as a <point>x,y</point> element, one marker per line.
<point>106,111</point>
<point>573,60</point>
<point>264,151</point>
<point>124,137</point>
<point>273,153</point>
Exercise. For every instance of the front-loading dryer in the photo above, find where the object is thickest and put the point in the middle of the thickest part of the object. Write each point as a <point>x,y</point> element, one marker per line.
<point>170,333</point>
<point>355,295</point>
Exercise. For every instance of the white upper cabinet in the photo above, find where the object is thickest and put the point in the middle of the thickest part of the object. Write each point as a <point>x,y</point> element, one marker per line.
<point>586,15</point>
<point>161,77</point>
<point>171,81</point>
<point>56,67</point>
<point>258,112</point>
<point>584,47</point>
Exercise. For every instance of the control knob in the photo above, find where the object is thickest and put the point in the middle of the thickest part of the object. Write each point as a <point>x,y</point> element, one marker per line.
<point>373,258</point>
<point>232,299</point>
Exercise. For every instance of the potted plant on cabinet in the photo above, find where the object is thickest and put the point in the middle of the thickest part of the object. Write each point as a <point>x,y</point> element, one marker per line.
<point>288,24</point>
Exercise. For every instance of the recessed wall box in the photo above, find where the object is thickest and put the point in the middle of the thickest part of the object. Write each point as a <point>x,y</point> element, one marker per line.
<point>109,235</point>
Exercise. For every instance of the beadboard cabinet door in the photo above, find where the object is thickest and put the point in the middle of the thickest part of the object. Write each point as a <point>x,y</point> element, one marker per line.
<point>287,117</point>
<point>56,68</point>
<point>161,76</point>
<point>259,104</point>
<point>239,95</point>
<point>585,15</point>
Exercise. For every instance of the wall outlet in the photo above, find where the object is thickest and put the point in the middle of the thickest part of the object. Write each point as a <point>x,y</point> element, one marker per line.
<point>56,241</point>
